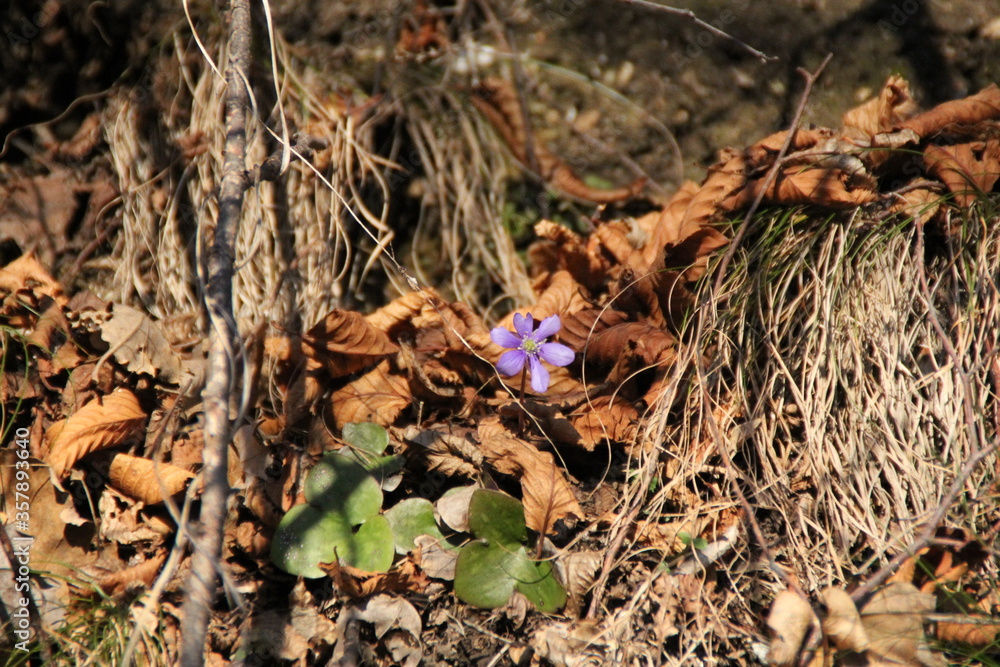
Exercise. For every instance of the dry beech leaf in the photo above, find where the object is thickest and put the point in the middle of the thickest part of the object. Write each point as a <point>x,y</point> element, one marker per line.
<point>346,343</point>
<point>893,620</point>
<point>377,397</point>
<point>561,296</point>
<point>606,417</point>
<point>723,180</point>
<point>547,496</point>
<point>356,584</point>
<point>842,622</point>
<point>653,346</point>
<point>578,328</point>
<point>400,311</point>
<point>571,254</point>
<point>100,424</point>
<point>984,105</point>
<point>789,620</point>
<point>817,186</point>
<point>882,113</point>
<point>967,169</point>
<point>578,571</point>
<point>498,101</point>
<point>147,480</point>
<point>142,574</point>
<point>139,344</point>
<point>974,630</point>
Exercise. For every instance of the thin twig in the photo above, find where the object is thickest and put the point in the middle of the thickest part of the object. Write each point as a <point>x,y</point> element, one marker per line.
<point>201,584</point>
<point>690,15</point>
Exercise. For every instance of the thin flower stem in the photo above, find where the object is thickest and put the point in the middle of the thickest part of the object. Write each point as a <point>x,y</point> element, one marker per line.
<point>520,413</point>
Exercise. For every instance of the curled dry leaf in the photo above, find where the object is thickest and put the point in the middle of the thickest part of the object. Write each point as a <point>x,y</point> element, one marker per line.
<point>967,169</point>
<point>842,622</point>
<point>578,571</point>
<point>606,417</point>
<point>561,296</point>
<point>346,343</point>
<point>139,344</point>
<point>653,346</point>
<point>570,254</point>
<point>578,328</point>
<point>147,480</point>
<point>984,105</point>
<point>377,397</point>
<point>357,584</point>
<point>100,424</point>
<point>833,188</point>
<point>789,619</point>
<point>397,314</point>
<point>880,114</point>
<point>548,496</point>
<point>142,574</point>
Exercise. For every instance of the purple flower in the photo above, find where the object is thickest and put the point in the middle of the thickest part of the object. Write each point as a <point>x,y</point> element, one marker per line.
<point>528,344</point>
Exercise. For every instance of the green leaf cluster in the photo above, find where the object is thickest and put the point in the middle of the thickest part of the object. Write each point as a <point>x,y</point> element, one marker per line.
<point>491,568</point>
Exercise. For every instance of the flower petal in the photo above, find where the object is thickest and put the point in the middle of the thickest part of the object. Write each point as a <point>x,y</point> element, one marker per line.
<point>539,375</point>
<point>549,326</point>
<point>511,362</point>
<point>523,324</point>
<point>556,354</point>
<point>505,338</point>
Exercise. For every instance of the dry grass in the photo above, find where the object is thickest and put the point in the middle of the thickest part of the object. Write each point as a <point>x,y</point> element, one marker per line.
<point>841,407</point>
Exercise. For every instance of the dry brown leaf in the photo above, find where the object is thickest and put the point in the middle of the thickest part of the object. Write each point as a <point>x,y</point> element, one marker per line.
<point>842,622</point>
<point>356,584</point>
<point>969,170</point>
<point>377,397</point>
<point>975,630</point>
<point>893,620</point>
<point>561,296</point>
<point>142,574</point>
<point>446,453</point>
<point>724,179</point>
<point>570,253</point>
<point>547,495</point>
<point>346,343</point>
<point>880,114</point>
<point>606,417</point>
<point>984,105</point>
<point>653,346</point>
<point>99,424</point>
<point>789,620</point>
<point>397,314</point>
<point>578,328</point>
<point>147,480</point>
<point>139,344</point>
<point>25,283</point>
<point>498,101</point>
<point>578,571</point>
<point>816,186</point>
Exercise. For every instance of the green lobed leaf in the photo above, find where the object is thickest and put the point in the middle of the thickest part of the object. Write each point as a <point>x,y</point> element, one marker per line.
<point>410,519</point>
<point>343,486</point>
<point>481,578</point>
<point>306,537</point>
<point>497,518</point>
<point>534,579</point>
<point>370,548</point>
<point>367,437</point>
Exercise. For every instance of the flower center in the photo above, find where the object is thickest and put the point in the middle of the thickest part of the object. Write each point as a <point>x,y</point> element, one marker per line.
<point>530,346</point>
